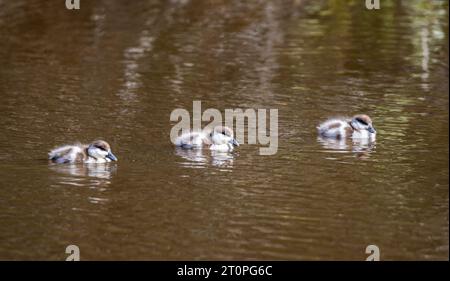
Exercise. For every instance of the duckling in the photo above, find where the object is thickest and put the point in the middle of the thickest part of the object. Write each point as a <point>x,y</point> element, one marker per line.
<point>221,138</point>
<point>359,127</point>
<point>98,151</point>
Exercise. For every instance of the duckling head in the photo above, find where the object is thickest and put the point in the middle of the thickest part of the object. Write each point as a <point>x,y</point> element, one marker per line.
<point>223,135</point>
<point>362,122</point>
<point>100,149</point>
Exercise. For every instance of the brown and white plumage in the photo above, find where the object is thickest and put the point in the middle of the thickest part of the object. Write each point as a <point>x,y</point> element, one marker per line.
<point>360,126</point>
<point>98,151</point>
<point>193,140</point>
<point>221,138</point>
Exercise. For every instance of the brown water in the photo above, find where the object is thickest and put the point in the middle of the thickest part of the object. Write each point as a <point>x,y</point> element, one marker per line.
<point>116,70</point>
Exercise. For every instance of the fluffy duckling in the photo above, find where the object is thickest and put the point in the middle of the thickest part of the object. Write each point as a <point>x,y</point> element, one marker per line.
<point>221,138</point>
<point>98,151</point>
<point>359,127</point>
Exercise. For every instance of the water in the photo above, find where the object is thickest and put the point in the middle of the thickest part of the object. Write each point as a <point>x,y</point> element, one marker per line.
<point>116,70</point>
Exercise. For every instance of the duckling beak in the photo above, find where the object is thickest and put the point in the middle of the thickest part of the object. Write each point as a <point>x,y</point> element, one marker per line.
<point>111,156</point>
<point>234,142</point>
<point>372,130</point>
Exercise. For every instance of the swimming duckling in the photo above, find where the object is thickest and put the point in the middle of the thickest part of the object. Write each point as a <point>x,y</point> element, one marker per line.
<point>220,139</point>
<point>359,127</point>
<point>97,152</point>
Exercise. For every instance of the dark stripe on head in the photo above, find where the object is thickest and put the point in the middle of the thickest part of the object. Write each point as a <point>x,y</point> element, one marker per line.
<point>361,121</point>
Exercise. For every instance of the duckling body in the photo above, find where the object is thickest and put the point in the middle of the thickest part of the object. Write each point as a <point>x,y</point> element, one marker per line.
<point>220,139</point>
<point>359,127</point>
<point>97,152</point>
<point>193,140</point>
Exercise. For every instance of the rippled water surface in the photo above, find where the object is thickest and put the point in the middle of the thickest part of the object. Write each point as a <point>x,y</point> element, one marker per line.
<point>116,70</point>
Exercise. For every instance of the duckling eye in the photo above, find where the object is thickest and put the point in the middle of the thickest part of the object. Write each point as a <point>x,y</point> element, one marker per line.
<point>223,133</point>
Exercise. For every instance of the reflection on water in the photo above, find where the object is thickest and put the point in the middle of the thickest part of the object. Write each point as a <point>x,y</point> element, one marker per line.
<point>199,158</point>
<point>102,171</point>
<point>361,147</point>
<point>115,70</point>
<point>194,157</point>
<point>96,176</point>
<point>223,159</point>
<point>331,143</point>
